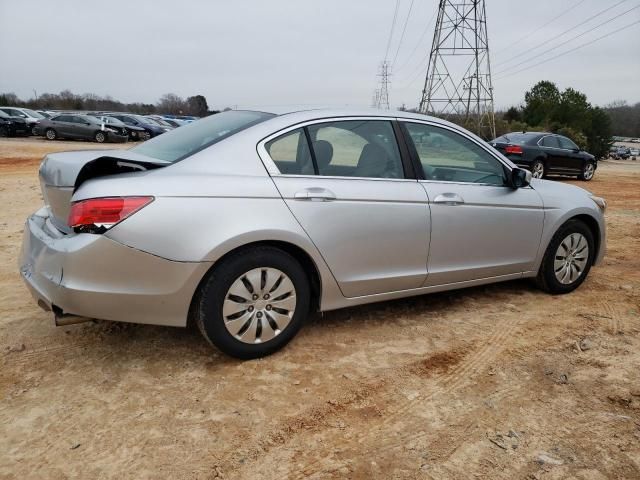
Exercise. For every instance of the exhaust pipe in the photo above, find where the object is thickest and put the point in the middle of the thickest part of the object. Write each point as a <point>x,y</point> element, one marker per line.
<point>68,319</point>
<point>62,319</point>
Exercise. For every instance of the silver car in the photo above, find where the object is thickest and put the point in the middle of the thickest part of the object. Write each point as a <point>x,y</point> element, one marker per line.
<point>244,222</point>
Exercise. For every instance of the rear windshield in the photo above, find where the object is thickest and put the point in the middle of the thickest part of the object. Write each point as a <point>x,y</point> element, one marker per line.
<point>193,137</point>
<point>515,138</point>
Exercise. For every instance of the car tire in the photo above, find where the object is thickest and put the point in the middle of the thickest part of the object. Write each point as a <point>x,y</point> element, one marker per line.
<point>562,271</point>
<point>144,136</point>
<point>232,307</point>
<point>50,134</point>
<point>588,171</point>
<point>538,169</point>
<point>100,136</point>
<point>34,131</point>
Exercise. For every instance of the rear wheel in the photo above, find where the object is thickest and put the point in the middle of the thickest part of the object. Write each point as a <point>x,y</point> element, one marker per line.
<point>588,170</point>
<point>100,137</point>
<point>253,303</point>
<point>568,258</point>
<point>50,134</point>
<point>144,135</point>
<point>537,169</point>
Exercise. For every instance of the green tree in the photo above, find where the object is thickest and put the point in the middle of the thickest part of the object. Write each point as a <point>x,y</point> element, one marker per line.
<point>197,105</point>
<point>540,103</point>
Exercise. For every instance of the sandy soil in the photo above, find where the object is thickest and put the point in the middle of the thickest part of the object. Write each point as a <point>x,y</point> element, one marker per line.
<point>492,382</point>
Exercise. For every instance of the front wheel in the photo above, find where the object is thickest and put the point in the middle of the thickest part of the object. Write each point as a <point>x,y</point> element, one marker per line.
<point>588,170</point>
<point>253,303</point>
<point>51,134</point>
<point>100,137</point>
<point>568,258</point>
<point>537,169</point>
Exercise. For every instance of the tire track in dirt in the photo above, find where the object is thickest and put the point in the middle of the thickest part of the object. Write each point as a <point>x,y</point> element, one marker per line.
<point>445,371</point>
<point>612,314</point>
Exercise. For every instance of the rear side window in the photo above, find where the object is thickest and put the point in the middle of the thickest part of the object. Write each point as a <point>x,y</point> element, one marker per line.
<point>349,148</point>
<point>291,154</point>
<point>448,156</point>
<point>356,148</point>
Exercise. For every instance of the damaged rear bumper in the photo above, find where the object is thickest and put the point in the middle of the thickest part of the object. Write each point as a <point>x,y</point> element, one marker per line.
<point>92,276</point>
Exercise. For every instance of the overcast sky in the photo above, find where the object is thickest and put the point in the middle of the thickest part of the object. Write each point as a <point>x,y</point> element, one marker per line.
<point>285,52</point>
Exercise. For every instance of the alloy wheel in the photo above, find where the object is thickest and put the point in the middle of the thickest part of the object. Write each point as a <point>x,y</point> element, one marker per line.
<point>588,171</point>
<point>571,258</point>
<point>259,305</point>
<point>538,170</point>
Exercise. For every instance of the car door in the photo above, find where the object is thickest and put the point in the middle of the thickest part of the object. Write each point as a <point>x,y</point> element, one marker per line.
<point>550,145</point>
<point>572,160</point>
<point>480,226</point>
<point>345,182</point>
<point>62,125</point>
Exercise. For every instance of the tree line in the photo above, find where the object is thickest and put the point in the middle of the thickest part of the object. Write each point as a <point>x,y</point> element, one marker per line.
<point>169,103</point>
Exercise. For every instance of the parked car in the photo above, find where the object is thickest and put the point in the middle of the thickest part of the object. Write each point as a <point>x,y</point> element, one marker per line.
<point>160,121</point>
<point>245,221</point>
<point>546,154</point>
<point>134,133</point>
<point>151,128</point>
<point>31,117</point>
<point>634,153</point>
<point>13,126</point>
<point>174,122</point>
<point>621,153</point>
<point>79,126</point>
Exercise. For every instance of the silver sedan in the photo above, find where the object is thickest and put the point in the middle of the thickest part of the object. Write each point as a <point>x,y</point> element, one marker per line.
<point>244,222</point>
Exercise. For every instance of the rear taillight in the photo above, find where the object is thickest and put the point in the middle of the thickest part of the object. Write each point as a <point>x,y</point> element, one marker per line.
<point>97,215</point>
<point>513,149</point>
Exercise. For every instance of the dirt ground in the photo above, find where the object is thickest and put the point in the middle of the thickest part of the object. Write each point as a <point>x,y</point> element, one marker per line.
<point>501,381</point>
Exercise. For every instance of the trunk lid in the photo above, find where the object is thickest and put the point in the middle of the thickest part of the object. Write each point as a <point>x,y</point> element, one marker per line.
<point>62,173</point>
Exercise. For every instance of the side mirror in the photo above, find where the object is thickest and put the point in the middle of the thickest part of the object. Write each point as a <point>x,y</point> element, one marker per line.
<point>520,177</point>
<point>576,150</point>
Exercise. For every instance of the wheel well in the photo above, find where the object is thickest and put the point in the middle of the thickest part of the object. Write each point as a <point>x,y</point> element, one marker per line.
<point>296,252</point>
<point>591,222</point>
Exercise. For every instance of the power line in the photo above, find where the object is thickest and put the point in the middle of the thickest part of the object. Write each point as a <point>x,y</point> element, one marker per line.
<point>393,26</point>
<point>404,29</point>
<point>415,49</point>
<point>569,40</point>
<point>572,50</point>
<point>555,18</point>
<point>561,34</point>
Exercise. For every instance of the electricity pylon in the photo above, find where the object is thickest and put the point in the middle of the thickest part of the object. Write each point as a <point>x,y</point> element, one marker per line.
<point>458,82</point>
<point>382,94</point>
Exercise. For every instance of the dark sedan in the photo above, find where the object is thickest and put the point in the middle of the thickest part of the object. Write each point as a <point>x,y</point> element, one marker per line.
<point>13,126</point>
<point>83,127</point>
<point>134,133</point>
<point>151,128</point>
<point>546,154</point>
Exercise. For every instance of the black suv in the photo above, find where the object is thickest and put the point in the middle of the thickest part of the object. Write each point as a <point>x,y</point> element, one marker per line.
<point>546,154</point>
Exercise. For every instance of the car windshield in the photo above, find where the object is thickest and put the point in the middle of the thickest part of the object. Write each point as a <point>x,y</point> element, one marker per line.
<point>514,138</point>
<point>189,139</point>
<point>32,113</point>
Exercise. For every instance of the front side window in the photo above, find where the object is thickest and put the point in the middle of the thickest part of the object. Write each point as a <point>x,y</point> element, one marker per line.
<point>448,156</point>
<point>566,143</point>
<point>291,154</point>
<point>356,148</point>
<point>550,141</point>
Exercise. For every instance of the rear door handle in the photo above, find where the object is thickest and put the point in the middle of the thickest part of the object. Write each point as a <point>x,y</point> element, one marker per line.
<point>449,199</point>
<point>317,194</point>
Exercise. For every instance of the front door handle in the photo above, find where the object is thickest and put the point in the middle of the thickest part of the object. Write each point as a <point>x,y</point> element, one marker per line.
<point>317,194</point>
<point>449,199</point>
